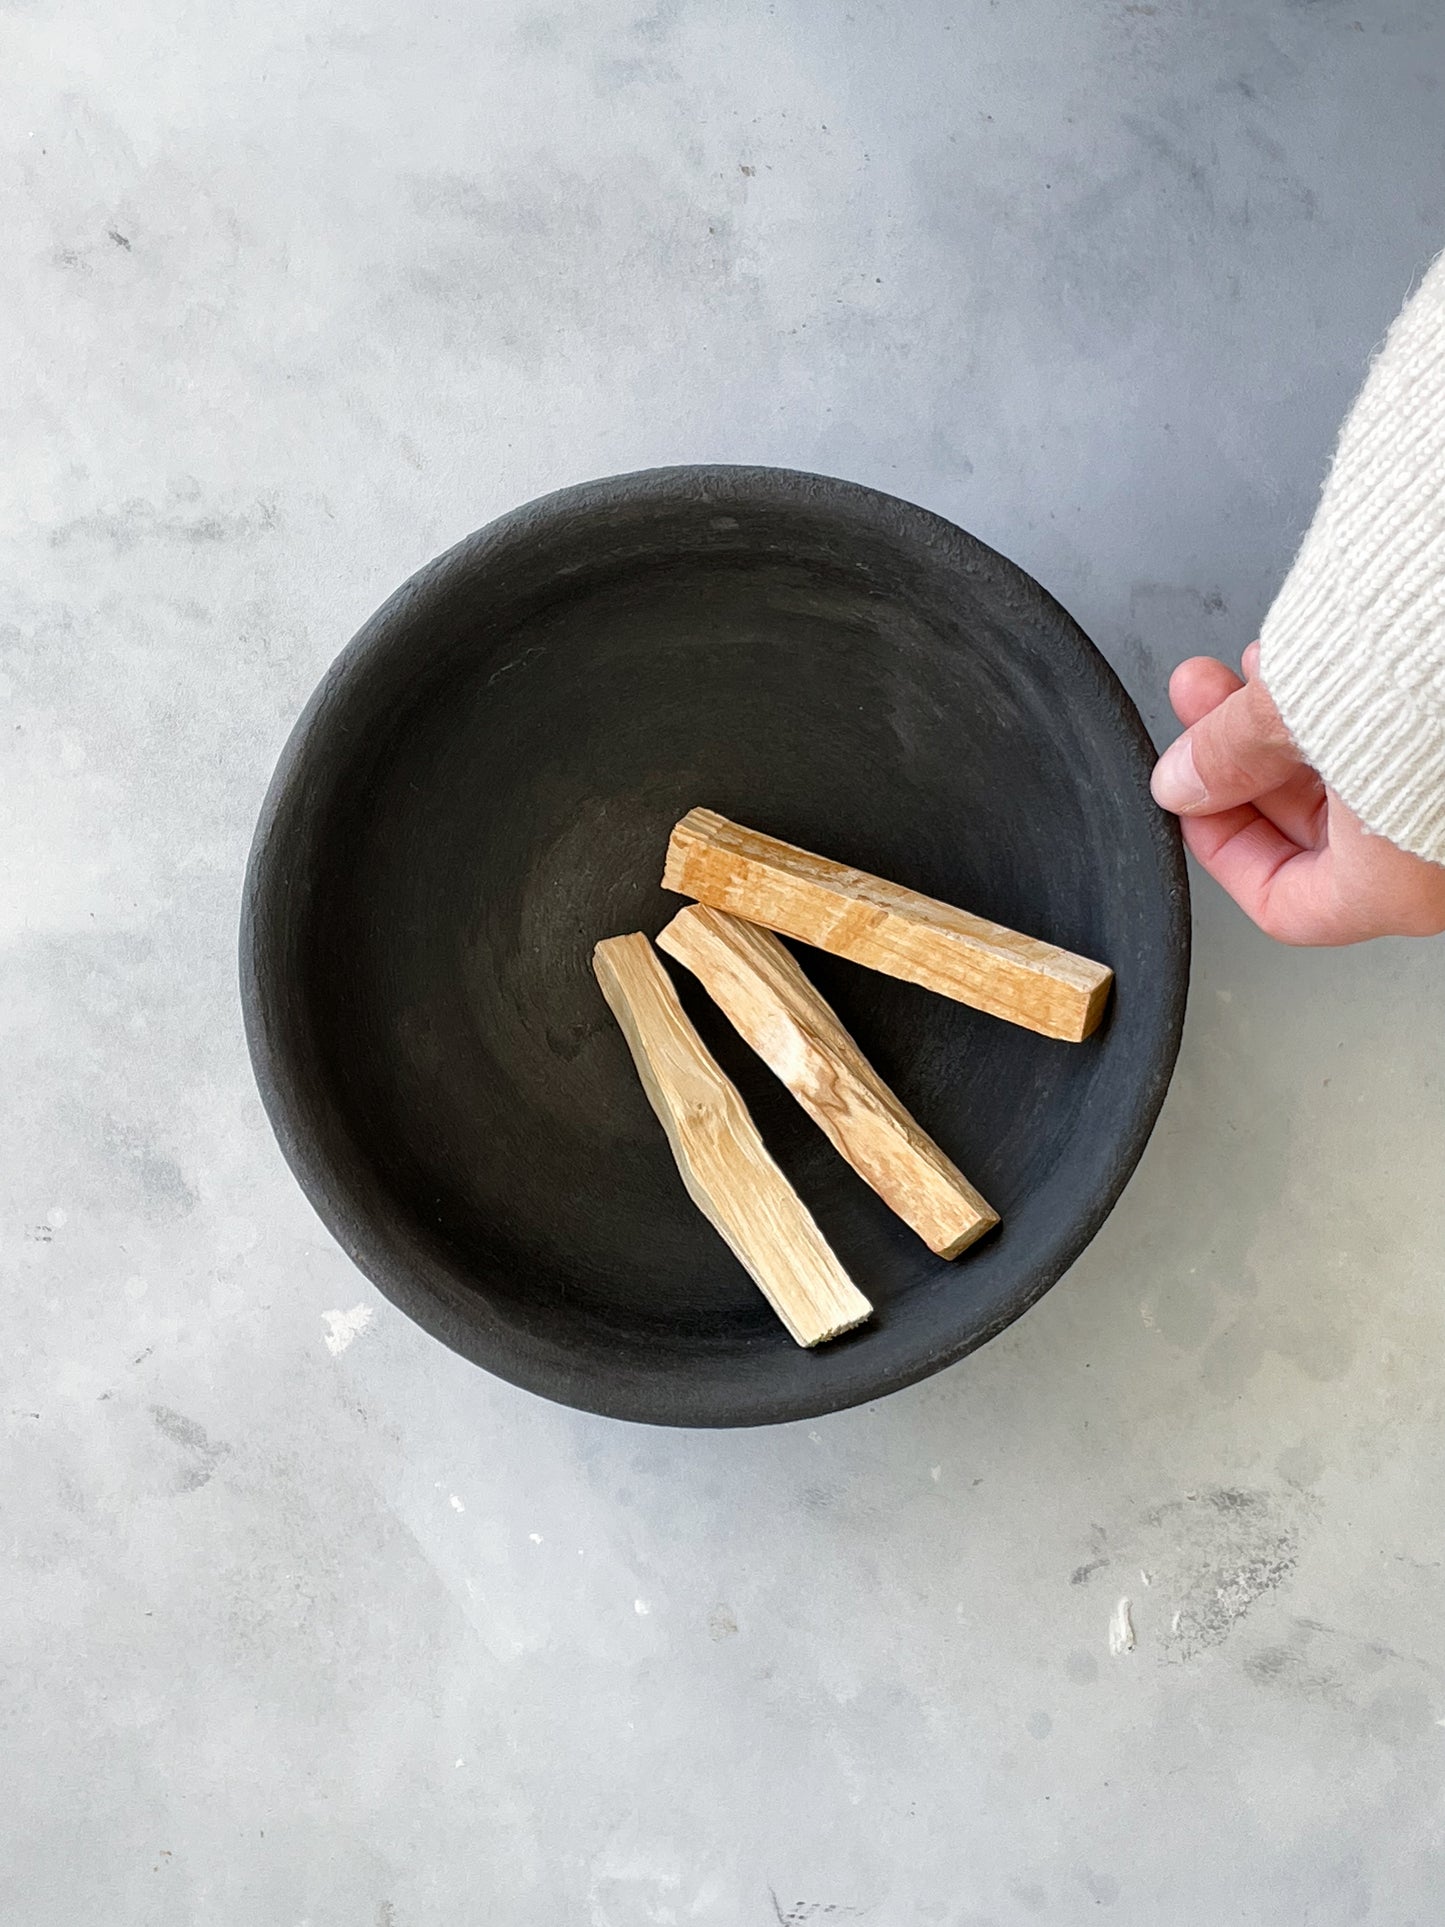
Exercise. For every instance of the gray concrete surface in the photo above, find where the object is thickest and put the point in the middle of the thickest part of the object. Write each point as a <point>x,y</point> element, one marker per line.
<point>308,1624</point>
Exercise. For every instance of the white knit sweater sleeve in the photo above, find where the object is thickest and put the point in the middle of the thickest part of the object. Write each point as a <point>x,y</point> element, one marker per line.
<point>1353,650</point>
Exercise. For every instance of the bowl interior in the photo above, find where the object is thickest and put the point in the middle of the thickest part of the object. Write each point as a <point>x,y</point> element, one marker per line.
<point>483,788</point>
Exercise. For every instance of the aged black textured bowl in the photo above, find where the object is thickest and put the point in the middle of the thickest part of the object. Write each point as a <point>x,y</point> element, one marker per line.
<point>483,786</point>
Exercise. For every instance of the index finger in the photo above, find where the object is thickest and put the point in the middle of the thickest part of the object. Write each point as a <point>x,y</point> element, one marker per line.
<point>1278,885</point>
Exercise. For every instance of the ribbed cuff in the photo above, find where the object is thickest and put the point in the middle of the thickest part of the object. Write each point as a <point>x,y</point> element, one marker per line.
<point>1376,745</point>
<point>1353,651</point>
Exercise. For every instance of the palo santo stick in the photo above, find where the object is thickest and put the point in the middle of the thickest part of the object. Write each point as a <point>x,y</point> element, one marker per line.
<point>886,927</point>
<point>760,989</point>
<point>724,1163</point>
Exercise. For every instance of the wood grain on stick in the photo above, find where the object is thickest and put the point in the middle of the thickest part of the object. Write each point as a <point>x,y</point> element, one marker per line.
<point>724,1162</point>
<point>759,987</point>
<point>886,927</point>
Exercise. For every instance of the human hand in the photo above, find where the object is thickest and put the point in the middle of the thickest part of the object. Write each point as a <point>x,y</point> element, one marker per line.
<point>1266,828</point>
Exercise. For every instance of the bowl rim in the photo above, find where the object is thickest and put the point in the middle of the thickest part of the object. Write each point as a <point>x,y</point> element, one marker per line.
<point>440,1307</point>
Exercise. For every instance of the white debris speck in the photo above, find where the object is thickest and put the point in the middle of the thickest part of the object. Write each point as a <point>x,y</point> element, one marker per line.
<point>535,1537</point>
<point>461,1763</point>
<point>457,1505</point>
<point>345,1327</point>
<point>55,1217</point>
<point>1174,1622</point>
<point>641,1608</point>
<point>1121,1629</point>
<point>935,1472</point>
<point>1145,1577</point>
<point>136,1287</point>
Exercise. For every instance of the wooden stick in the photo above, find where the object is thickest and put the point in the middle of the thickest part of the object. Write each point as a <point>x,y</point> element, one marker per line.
<point>760,989</point>
<point>886,927</point>
<point>724,1163</point>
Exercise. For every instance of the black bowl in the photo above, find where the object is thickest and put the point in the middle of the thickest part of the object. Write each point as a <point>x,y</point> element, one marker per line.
<point>483,786</point>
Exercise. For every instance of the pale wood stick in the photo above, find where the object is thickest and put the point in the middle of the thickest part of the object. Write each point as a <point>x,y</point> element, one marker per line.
<point>758,986</point>
<point>886,927</point>
<point>724,1163</point>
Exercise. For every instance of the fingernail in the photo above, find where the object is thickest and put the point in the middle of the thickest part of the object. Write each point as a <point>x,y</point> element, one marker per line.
<point>1175,781</point>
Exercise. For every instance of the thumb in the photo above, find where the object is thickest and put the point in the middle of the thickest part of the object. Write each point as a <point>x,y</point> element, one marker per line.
<point>1239,751</point>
